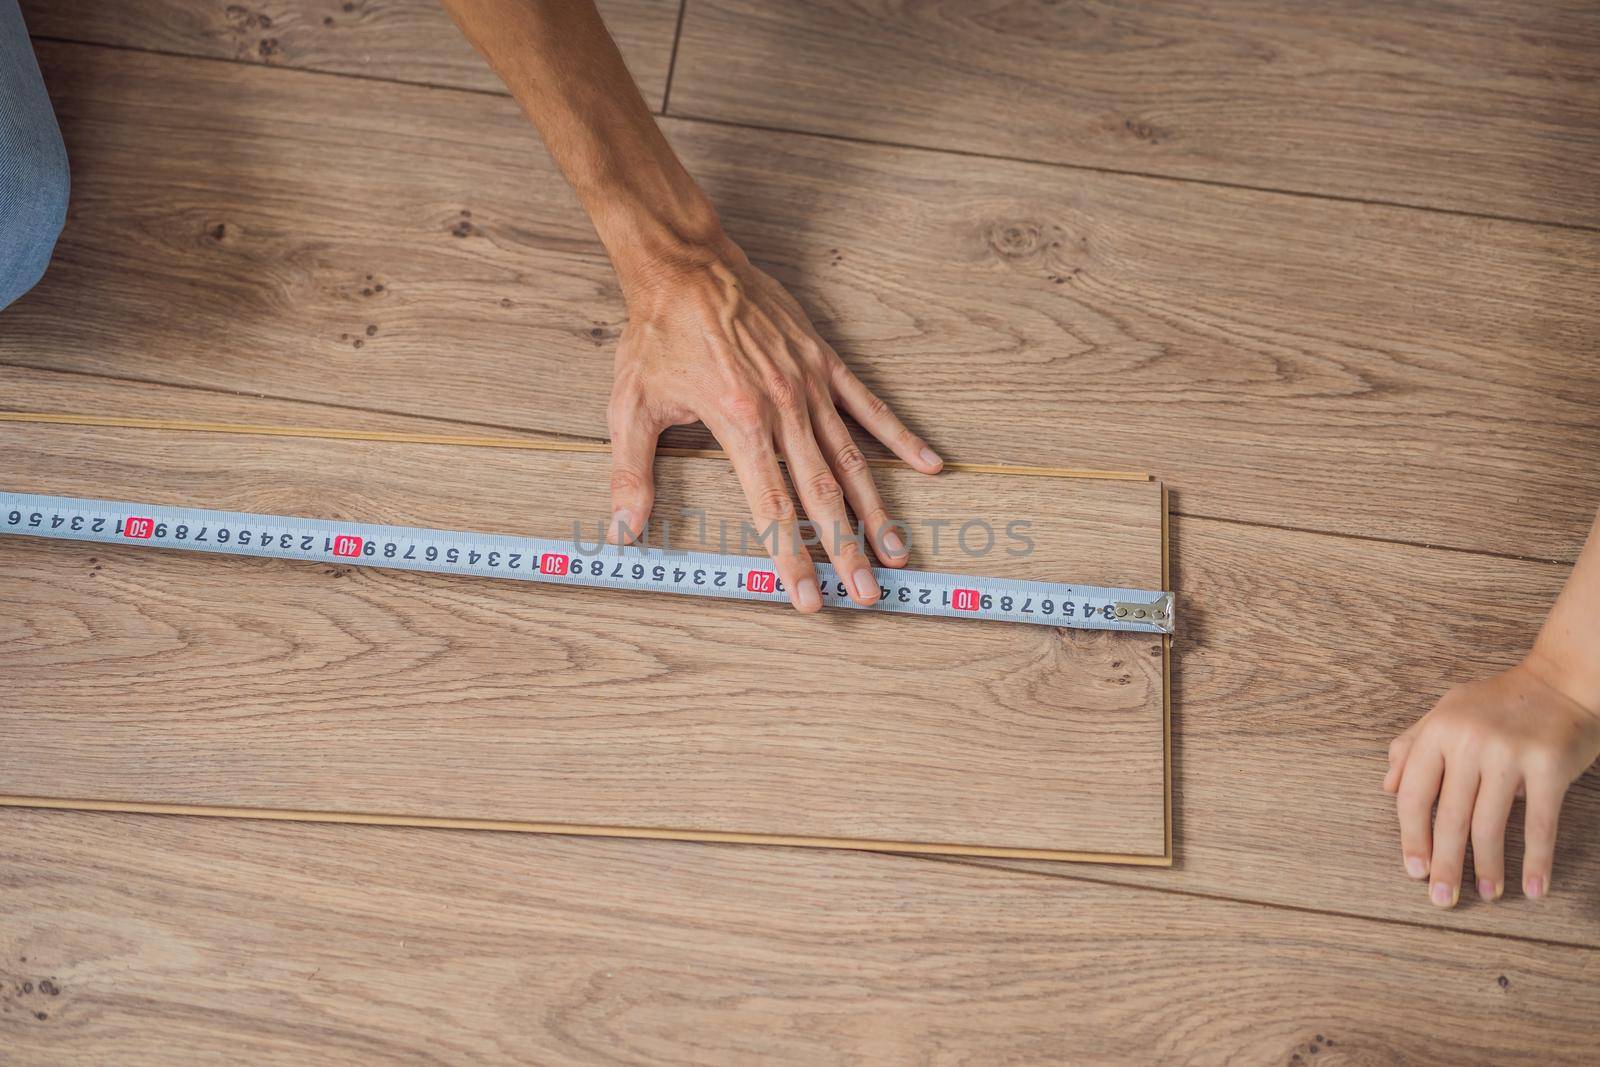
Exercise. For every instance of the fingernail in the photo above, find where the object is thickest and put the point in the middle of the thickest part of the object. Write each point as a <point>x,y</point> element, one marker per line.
<point>1415,867</point>
<point>622,526</point>
<point>931,458</point>
<point>1443,895</point>
<point>866,584</point>
<point>1534,886</point>
<point>1487,889</point>
<point>893,543</point>
<point>806,592</point>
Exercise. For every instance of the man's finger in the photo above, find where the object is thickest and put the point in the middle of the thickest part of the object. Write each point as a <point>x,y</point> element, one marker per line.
<point>1543,809</point>
<point>1496,792</point>
<point>633,454</point>
<point>750,450</point>
<point>823,499</point>
<point>876,418</point>
<point>853,473</point>
<point>1414,805</point>
<point>1450,828</point>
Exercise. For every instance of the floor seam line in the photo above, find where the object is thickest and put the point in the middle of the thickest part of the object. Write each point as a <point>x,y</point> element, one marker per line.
<point>1215,183</point>
<point>1305,909</point>
<point>899,145</point>
<point>672,60</point>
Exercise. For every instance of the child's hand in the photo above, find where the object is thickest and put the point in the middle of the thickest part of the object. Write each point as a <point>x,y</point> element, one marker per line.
<point>1515,734</point>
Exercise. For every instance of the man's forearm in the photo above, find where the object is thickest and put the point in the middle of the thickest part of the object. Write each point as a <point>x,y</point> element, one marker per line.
<point>563,68</point>
<point>1569,643</point>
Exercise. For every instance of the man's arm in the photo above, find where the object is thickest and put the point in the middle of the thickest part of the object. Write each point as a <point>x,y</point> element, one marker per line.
<point>709,336</point>
<point>1531,730</point>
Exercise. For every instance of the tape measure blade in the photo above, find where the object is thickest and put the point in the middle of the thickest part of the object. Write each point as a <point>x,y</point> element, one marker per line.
<point>573,563</point>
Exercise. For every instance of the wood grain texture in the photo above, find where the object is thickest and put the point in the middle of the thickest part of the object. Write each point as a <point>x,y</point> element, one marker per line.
<point>269,684</point>
<point>1298,660</point>
<point>395,40</point>
<point>189,940</point>
<point>1347,367</point>
<point>1485,106</point>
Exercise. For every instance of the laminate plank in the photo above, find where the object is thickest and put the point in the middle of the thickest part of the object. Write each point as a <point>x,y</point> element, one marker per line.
<point>254,683</point>
<point>395,40</point>
<point>204,940</point>
<point>1328,366</point>
<point>1483,106</point>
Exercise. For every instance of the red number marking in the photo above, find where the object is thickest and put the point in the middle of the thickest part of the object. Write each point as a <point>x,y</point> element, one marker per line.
<point>347,545</point>
<point>138,527</point>
<point>553,563</point>
<point>964,599</point>
<point>761,582</point>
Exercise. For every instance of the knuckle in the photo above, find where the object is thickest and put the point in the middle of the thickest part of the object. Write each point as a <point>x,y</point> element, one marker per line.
<point>1414,799</point>
<point>849,461</point>
<point>824,490</point>
<point>813,351</point>
<point>743,411</point>
<point>773,503</point>
<point>877,407</point>
<point>1496,752</point>
<point>1486,831</point>
<point>625,481</point>
<point>783,391</point>
<point>1542,763</point>
<point>1469,741</point>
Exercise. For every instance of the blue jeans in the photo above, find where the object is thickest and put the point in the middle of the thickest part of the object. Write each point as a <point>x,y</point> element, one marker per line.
<point>33,163</point>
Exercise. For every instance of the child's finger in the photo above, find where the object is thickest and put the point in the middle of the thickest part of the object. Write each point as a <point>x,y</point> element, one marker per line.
<point>1450,827</point>
<point>1539,848</point>
<point>1496,792</point>
<point>1399,748</point>
<point>1414,804</point>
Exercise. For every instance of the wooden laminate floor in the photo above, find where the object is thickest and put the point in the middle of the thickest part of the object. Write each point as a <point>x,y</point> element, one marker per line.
<point>1328,274</point>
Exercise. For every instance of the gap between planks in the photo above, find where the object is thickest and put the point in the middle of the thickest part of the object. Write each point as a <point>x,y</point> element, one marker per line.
<point>218,811</point>
<point>469,441</point>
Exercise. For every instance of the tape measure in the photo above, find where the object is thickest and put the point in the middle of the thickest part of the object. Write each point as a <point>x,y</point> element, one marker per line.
<point>532,559</point>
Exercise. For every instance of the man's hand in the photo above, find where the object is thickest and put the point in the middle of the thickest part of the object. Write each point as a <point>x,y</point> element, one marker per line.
<point>709,337</point>
<point>712,338</point>
<point>1517,733</point>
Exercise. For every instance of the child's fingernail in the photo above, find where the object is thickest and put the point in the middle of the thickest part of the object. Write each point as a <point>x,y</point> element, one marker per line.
<point>1487,889</point>
<point>807,595</point>
<point>1534,886</point>
<point>1443,895</point>
<point>893,543</point>
<point>1416,867</point>
<point>931,458</point>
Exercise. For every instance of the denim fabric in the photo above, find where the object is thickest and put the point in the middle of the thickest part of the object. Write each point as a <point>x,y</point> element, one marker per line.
<point>33,163</point>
